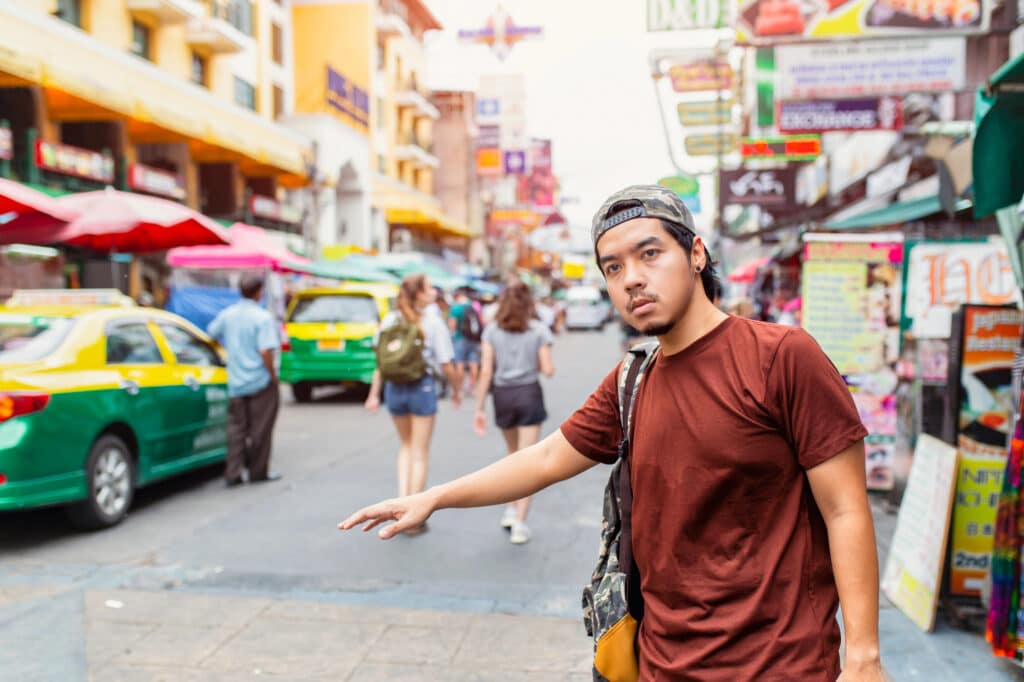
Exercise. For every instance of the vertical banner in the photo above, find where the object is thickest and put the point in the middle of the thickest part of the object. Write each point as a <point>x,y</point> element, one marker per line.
<point>851,294</point>
<point>988,339</point>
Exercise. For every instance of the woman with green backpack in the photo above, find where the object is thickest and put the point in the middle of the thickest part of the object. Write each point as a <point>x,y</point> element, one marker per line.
<point>413,347</point>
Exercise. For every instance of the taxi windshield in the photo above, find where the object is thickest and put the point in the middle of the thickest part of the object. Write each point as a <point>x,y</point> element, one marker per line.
<point>338,309</point>
<point>27,339</point>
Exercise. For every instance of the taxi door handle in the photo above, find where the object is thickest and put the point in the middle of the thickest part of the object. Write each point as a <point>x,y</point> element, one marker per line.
<point>192,383</point>
<point>129,387</point>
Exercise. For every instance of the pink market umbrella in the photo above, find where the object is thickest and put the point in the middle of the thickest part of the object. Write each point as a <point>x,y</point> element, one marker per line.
<point>250,247</point>
<point>23,203</point>
<point>113,221</point>
<point>748,271</point>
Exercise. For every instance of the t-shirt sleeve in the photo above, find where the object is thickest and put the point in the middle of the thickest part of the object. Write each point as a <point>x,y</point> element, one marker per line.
<point>268,337</point>
<point>811,401</point>
<point>544,335</point>
<point>594,429</point>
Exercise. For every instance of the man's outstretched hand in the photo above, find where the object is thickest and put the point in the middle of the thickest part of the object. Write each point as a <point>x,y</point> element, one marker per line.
<point>406,512</point>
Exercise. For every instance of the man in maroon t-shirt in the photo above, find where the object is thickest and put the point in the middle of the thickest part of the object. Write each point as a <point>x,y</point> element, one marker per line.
<point>750,519</point>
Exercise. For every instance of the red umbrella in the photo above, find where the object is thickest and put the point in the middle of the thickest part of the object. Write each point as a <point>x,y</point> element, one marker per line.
<point>748,271</point>
<point>25,201</point>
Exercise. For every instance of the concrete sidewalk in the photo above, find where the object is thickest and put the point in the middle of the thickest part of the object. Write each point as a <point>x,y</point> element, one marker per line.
<point>135,635</point>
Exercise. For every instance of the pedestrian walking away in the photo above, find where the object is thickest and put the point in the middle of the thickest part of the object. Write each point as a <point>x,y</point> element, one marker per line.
<point>251,339</point>
<point>516,351</point>
<point>467,328</point>
<point>745,486</point>
<point>413,348</point>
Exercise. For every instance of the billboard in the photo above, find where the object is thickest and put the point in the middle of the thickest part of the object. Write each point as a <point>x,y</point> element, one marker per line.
<point>869,68</point>
<point>683,15</point>
<point>762,22</point>
<point>848,115</point>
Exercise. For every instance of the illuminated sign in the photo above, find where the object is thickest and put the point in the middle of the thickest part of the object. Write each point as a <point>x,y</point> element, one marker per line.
<point>81,163</point>
<point>794,148</point>
<point>348,98</point>
<point>155,181</point>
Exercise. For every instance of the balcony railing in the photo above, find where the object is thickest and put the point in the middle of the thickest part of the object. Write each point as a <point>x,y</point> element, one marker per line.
<point>238,13</point>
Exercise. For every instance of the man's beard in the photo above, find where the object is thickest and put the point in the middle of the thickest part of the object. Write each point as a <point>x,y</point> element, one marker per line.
<point>658,329</point>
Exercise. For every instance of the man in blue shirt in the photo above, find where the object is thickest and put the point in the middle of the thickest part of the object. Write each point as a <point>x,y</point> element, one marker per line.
<point>251,339</point>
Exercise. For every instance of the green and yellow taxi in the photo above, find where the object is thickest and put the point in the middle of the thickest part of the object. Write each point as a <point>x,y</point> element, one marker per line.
<point>99,397</point>
<point>330,335</point>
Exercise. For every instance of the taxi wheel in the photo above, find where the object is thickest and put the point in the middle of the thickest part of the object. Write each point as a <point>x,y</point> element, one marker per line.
<point>110,472</point>
<point>302,392</point>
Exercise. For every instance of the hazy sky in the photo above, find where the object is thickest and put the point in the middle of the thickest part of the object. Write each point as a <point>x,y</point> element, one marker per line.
<point>588,87</point>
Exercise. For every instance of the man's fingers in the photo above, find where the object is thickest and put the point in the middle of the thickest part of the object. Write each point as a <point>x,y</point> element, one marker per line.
<point>366,514</point>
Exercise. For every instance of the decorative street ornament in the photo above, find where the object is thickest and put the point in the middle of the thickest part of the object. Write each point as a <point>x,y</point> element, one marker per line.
<point>500,33</point>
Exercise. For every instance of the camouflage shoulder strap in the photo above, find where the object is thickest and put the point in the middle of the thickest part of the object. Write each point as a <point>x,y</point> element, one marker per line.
<point>630,373</point>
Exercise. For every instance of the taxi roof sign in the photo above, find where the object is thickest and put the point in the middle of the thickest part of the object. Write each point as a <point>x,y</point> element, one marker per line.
<point>71,297</point>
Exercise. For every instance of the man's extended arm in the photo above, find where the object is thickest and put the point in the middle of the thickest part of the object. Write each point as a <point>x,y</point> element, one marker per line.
<point>840,489</point>
<point>510,478</point>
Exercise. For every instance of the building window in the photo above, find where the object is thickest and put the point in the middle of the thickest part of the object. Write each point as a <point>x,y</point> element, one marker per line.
<point>141,40</point>
<point>382,164</point>
<point>382,113</point>
<point>199,71</point>
<point>70,11</point>
<point>238,13</point>
<point>277,44</point>
<point>245,94</point>
<point>381,55</point>
<point>278,102</point>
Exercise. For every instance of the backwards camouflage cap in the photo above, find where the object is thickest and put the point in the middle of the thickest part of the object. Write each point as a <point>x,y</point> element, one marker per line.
<point>642,201</point>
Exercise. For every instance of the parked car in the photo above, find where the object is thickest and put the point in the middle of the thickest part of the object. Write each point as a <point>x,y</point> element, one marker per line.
<point>330,334</point>
<point>99,397</point>
<point>585,308</point>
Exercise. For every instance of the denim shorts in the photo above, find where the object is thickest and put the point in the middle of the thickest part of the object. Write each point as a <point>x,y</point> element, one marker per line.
<point>467,352</point>
<point>418,398</point>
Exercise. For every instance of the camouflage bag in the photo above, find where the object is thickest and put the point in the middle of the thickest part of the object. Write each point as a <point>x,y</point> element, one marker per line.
<point>612,603</point>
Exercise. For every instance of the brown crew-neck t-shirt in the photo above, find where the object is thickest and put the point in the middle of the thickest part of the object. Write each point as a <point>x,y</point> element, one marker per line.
<point>732,550</point>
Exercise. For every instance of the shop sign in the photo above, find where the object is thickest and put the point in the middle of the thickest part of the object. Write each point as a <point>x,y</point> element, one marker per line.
<point>888,178</point>
<point>942,276</point>
<point>514,162</point>
<point>537,188</point>
<point>708,73</point>
<point>488,161</point>
<point>684,15</point>
<point>525,218</point>
<point>488,136</point>
<point>155,181</point>
<point>984,345</point>
<point>683,185</point>
<point>762,22</point>
<point>488,107</point>
<point>711,145</point>
<point>858,155</point>
<point>769,189</point>
<point>812,182</point>
<point>822,116</point>
<point>272,209</point>
<point>709,113</point>
<point>348,98</point>
<point>870,68</point>
<point>6,144</point>
<point>81,163</point>
<point>792,148</point>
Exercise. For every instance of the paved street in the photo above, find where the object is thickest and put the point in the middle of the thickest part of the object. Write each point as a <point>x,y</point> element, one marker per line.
<point>203,583</point>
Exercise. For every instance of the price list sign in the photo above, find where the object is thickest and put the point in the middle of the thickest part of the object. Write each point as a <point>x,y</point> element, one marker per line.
<point>834,303</point>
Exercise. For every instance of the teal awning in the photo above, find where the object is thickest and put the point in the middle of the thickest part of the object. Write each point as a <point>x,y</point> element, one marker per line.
<point>894,214</point>
<point>341,270</point>
<point>998,144</point>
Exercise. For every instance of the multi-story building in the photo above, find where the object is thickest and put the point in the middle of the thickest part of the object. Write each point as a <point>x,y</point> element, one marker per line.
<point>176,98</point>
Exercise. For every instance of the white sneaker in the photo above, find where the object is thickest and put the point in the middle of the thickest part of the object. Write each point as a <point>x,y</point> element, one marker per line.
<point>509,518</point>
<point>520,533</point>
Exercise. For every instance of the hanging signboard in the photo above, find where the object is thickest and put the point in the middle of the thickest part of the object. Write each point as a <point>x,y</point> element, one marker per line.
<point>913,570</point>
<point>792,148</point>
<point>347,98</point>
<point>514,162</point>
<point>683,15</point>
<point>683,185</point>
<point>68,160</point>
<point>269,208</point>
<point>943,275</point>
<point>982,349</point>
<point>763,22</point>
<point>708,113</point>
<point>156,181</point>
<point>6,144</point>
<point>709,73</point>
<point>769,189</point>
<point>710,144</point>
<point>488,161</point>
<point>823,116</point>
<point>870,68</point>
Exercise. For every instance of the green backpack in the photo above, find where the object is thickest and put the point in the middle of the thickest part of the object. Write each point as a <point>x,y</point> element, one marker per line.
<point>400,356</point>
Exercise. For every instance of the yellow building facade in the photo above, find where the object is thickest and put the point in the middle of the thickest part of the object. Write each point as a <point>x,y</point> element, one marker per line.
<point>176,98</point>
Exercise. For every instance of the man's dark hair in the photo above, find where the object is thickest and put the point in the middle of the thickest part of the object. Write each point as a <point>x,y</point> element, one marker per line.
<point>684,236</point>
<point>251,286</point>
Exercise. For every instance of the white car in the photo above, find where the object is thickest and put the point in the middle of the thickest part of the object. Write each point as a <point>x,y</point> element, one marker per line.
<point>585,308</point>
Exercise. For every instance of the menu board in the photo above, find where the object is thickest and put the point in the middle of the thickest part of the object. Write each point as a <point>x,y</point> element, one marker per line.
<point>913,571</point>
<point>834,301</point>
